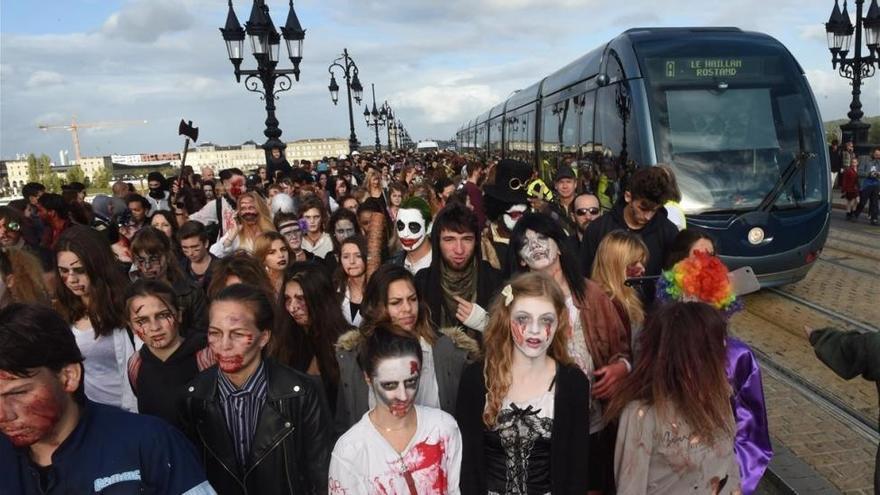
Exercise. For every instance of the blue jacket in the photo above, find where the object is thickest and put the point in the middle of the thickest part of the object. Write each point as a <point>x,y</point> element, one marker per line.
<point>110,451</point>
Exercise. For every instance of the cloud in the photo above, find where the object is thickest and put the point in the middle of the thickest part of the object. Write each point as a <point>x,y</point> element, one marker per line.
<point>448,104</point>
<point>44,78</point>
<point>813,32</point>
<point>144,21</point>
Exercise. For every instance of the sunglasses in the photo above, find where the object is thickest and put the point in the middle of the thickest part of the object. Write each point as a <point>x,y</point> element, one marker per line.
<point>583,211</point>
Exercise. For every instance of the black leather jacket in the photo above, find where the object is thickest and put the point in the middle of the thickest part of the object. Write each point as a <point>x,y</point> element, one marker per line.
<point>290,452</point>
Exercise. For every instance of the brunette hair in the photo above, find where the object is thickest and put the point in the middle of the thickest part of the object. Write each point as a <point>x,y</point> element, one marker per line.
<point>33,336</point>
<point>618,250</point>
<point>340,278</point>
<point>387,342</point>
<point>107,282</point>
<point>650,184</point>
<point>155,288</point>
<point>342,214</point>
<point>682,369</point>
<point>252,297</point>
<point>172,220</point>
<point>27,271</point>
<point>314,202</point>
<point>498,339</point>
<point>192,229</point>
<point>545,225</point>
<point>297,346</point>
<point>374,306</point>
<point>242,265</point>
<point>153,241</point>
<point>682,244</point>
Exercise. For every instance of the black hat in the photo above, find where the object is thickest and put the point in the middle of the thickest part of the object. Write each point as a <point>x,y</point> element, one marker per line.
<point>564,172</point>
<point>511,182</point>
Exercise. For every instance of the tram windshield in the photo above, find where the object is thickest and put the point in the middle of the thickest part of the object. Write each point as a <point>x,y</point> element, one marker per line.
<point>731,118</point>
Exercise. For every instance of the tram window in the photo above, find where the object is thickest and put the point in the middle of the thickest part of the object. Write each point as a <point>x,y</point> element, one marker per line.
<point>529,137</point>
<point>616,138</point>
<point>495,134</point>
<point>588,100</point>
<point>551,119</point>
<point>570,124</point>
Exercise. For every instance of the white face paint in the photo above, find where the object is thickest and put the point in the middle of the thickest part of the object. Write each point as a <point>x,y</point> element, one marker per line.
<point>538,251</point>
<point>396,383</point>
<point>411,228</point>
<point>512,215</point>
<point>533,324</point>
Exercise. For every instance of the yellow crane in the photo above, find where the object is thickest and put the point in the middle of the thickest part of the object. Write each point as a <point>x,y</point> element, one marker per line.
<point>75,126</point>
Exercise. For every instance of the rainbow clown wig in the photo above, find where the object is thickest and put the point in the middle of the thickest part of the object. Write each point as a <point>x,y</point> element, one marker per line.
<point>699,277</point>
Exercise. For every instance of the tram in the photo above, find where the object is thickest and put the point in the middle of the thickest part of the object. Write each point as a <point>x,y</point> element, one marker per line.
<point>730,111</point>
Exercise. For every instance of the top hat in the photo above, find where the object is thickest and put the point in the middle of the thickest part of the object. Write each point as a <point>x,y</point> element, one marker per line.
<point>511,182</point>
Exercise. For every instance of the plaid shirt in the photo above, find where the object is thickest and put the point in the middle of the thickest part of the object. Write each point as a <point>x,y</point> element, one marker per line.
<point>241,407</point>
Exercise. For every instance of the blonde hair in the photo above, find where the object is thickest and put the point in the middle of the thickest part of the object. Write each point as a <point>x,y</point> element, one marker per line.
<point>371,173</point>
<point>28,285</point>
<point>498,339</point>
<point>265,221</point>
<point>618,250</point>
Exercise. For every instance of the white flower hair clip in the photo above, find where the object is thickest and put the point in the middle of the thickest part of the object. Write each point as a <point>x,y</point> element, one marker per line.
<point>507,292</point>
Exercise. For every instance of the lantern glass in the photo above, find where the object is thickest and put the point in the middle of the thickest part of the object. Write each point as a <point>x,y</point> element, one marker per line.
<point>259,43</point>
<point>234,48</point>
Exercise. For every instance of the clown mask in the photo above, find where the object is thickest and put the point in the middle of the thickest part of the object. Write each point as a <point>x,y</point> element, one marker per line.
<point>512,215</point>
<point>411,228</point>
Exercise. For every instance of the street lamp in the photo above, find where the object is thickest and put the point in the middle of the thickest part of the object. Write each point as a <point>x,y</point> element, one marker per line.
<point>839,29</point>
<point>265,45</point>
<point>389,115</point>
<point>352,84</point>
<point>376,118</point>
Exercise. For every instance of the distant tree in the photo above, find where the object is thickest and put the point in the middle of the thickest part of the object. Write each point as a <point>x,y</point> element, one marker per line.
<point>52,182</point>
<point>101,179</point>
<point>76,174</point>
<point>33,169</point>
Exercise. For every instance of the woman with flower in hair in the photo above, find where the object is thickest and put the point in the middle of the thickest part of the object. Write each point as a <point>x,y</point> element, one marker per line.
<point>703,277</point>
<point>522,410</point>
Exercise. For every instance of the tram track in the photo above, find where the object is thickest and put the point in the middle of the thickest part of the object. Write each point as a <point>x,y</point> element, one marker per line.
<point>825,311</point>
<point>838,262</point>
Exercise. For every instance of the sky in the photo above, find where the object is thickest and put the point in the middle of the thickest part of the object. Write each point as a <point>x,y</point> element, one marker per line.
<point>438,63</point>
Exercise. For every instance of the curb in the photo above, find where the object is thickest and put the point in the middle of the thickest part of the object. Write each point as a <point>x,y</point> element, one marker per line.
<point>788,475</point>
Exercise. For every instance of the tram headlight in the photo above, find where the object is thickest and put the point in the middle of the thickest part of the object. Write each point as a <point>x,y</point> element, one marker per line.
<point>756,236</point>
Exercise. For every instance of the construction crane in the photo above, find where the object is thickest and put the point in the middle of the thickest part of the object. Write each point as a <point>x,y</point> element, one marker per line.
<point>75,126</point>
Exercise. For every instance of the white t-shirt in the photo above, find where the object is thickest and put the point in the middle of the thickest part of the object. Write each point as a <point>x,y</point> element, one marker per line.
<point>363,462</point>
<point>102,376</point>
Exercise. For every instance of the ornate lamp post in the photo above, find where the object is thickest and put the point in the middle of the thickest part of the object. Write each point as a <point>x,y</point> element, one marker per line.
<point>352,84</point>
<point>840,30</point>
<point>389,115</point>
<point>265,45</point>
<point>375,118</point>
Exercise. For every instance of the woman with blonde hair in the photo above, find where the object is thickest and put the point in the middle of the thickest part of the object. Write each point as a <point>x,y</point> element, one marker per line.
<point>272,251</point>
<point>252,218</point>
<point>21,278</point>
<point>622,255</point>
<point>522,410</point>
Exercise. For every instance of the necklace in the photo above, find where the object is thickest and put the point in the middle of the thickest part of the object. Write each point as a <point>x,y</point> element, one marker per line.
<point>387,429</point>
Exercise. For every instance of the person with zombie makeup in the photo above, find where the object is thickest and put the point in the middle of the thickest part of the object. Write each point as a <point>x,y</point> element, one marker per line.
<point>207,186</point>
<point>465,281</point>
<point>305,335</point>
<point>315,240</point>
<point>421,445</point>
<point>390,298</point>
<point>342,225</point>
<point>198,261</point>
<point>53,213</point>
<point>505,202</point>
<point>252,218</point>
<point>291,227</point>
<point>158,196</point>
<point>522,410</point>
<point>599,343</point>
<point>238,268</point>
<point>640,211</point>
<point>413,227</point>
<point>677,429</point>
<point>222,210</point>
<point>351,277</point>
<point>90,298</point>
<point>264,427</point>
<point>55,441</point>
<point>272,251</point>
<point>160,370</point>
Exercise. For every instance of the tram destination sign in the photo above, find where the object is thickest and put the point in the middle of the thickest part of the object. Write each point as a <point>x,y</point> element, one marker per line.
<point>694,69</point>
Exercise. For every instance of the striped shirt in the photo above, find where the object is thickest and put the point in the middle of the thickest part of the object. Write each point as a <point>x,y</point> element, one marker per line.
<point>241,407</point>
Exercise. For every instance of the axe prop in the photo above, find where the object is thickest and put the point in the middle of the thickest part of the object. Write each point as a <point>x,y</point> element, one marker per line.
<point>191,133</point>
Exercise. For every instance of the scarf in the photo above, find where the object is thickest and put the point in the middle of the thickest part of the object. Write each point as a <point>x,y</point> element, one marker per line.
<point>456,283</point>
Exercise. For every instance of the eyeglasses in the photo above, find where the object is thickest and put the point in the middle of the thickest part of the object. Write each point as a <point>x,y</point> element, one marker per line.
<point>583,211</point>
<point>153,259</point>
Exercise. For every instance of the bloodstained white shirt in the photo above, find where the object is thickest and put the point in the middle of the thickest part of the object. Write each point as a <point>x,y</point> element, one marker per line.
<point>363,462</point>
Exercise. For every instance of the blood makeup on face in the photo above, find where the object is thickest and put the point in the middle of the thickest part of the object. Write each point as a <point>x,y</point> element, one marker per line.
<point>233,336</point>
<point>29,408</point>
<point>396,383</point>
<point>533,324</point>
<point>538,251</point>
<point>153,321</point>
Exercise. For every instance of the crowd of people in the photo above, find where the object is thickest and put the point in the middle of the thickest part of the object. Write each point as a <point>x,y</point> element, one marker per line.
<point>374,324</point>
<point>858,180</point>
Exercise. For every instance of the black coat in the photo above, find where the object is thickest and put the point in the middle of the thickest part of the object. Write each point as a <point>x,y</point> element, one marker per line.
<point>657,236</point>
<point>569,437</point>
<point>428,287</point>
<point>290,452</point>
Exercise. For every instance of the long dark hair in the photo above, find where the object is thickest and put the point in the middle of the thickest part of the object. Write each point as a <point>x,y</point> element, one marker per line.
<point>374,306</point>
<point>341,214</point>
<point>545,225</point>
<point>153,241</point>
<point>682,244</point>
<point>340,278</point>
<point>682,369</point>
<point>106,281</point>
<point>296,346</point>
